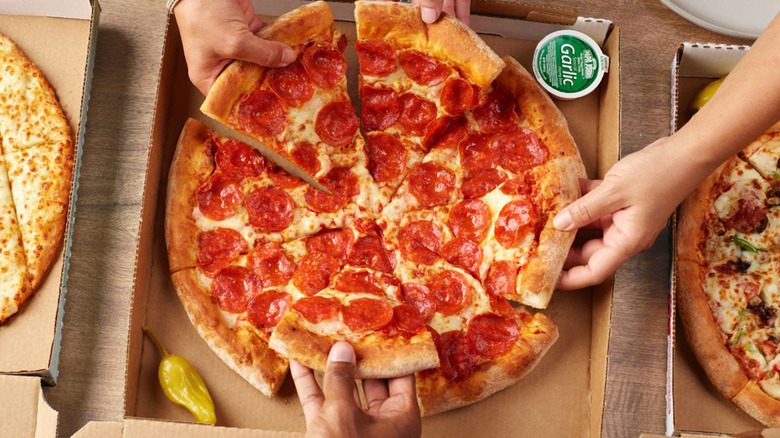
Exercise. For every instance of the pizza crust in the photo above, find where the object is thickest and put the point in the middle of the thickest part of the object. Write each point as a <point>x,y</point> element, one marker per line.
<point>435,394</point>
<point>758,404</point>
<point>308,23</point>
<point>702,333</point>
<point>240,348</point>
<point>392,22</point>
<point>691,220</point>
<point>192,163</point>
<point>377,356</point>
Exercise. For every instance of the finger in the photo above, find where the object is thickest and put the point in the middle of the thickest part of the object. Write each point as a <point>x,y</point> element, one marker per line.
<point>601,265</point>
<point>339,380</point>
<point>261,52</point>
<point>401,386</point>
<point>598,202</point>
<point>448,6</point>
<point>463,11</point>
<point>255,24</point>
<point>580,255</point>
<point>375,391</point>
<point>429,9</point>
<point>587,185</point>
<point>309,392</point>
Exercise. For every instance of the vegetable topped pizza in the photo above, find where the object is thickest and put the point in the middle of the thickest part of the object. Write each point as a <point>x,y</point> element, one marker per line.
<point>438,212</point>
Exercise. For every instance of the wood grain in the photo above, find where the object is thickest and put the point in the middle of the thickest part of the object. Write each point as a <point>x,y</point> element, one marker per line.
<point>97,308</point>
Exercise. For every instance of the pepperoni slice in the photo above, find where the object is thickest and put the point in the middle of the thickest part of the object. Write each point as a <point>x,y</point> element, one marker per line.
<point>435,130</point>
<point>502,279</point>
<point>292,84</point>
<point>304,155</point>
<point>517,218</point>
<point>420,297</point>
<point>416,113</point>
<point>363,314</point>
<point>217,248</point>
<point>431,184</point>
<point>343,185</point>
<point>469,219</point>
<point>479,152</point>
<point>237,160</point>
<point>233,287</point>
<point>422,68</point>
<point>496,113</point>
<point>492,335</point>
<point>265,310</point>
<point>377,57</point>
<point>482,182</point>
<point>270,209</point>
<point>366,225</point>
<point>464,253</point>
<point>749,215</point>
<point>314,272</point>
<point>386,156</point>
<point>458,96</point>
<point>518,186</point>
<point>342,43</point>
<point>271,264</point>
<point>281,178</point>
<point>262,112</point>
<point>450,292</point>
<point>420,242</point>
<point>360,282</point>
<point>335,243</point>
<point>317,309</point>
<point>337,123</point>
<point>502,307</point>
<point>218,197</point>
<point>521,150</point>
<point>325,64</point>
<point>457,357</point>
<point>381,108</point>
<point>451,137</point>
<point>407,319</point>
<point>369,252</point>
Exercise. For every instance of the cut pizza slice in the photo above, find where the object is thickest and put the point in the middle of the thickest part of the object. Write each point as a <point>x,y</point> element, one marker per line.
<point>414,78</point>
<point>361,304</point>
<point>764,154</point>
<point>217,184</point>
<point>15,285</point>
<point>301,111</point>
<point>40,177</point>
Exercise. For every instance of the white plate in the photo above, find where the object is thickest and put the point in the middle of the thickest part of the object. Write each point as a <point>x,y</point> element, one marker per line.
<point>737,18</point>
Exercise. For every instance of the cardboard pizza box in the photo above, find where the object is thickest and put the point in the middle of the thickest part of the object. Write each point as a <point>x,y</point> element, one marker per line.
<point>28,414</point>
<point>694,405</point>
<point>60,38</point>
<point>563,396</point>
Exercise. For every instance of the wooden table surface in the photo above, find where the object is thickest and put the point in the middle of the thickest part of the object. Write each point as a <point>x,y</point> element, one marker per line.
<point>92,362</point>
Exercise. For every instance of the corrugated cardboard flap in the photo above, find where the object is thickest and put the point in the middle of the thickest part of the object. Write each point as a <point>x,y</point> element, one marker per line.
<point>28,414</point>
<point>80,9</point>
<point>137,428</point>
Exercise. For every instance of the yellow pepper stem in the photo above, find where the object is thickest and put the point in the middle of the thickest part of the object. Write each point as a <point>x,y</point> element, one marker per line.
<point>156,340</point>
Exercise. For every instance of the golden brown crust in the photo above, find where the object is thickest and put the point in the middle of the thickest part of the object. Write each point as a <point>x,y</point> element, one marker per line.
<point>392,22</point>
<point>378,357</point>
<point>240,348</point>
<point>450,39</point>
<point>758,404</point>
<point>308,23</point>
<point>435,394</point>
<point>704,336</point>
<point>192,163</point>
<point>536,106</point>
<point>691,220</point>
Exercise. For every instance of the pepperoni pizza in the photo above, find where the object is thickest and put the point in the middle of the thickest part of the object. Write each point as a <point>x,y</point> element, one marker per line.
<point>437,218</point>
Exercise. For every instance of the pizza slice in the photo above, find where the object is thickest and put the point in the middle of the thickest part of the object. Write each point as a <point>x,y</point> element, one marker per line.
<point>15,285</point>
<point>764,154</point>
<point>415,78</point>
<point>301,111</point>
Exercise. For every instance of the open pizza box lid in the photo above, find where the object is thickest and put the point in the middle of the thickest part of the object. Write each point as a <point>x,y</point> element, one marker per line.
<point>60,38</point>
<point>694,405</point>
<point>563,396</point>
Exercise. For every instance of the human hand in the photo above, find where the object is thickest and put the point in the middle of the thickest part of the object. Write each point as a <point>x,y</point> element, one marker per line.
<point>431,9</point>
<point>335,411</point>
<point>631,206</point>
<point>214,32</point>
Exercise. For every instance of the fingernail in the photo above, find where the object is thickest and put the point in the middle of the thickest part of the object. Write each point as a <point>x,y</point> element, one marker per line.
<point>342,352</point>
<point>288,56</point>
<point>428,15</point>
<point>562,221</point>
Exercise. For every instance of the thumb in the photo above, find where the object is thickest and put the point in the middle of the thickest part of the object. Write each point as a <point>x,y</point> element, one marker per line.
<point>595,204</point>
<point>263,52</point>
<point>339,380</point>
<point>429,9</point>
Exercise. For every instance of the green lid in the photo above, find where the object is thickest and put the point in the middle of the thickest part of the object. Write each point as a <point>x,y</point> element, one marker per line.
<point>569,64</point>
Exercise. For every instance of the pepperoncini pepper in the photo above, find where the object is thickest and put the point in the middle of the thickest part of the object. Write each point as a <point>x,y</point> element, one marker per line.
<point>182,384</point>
